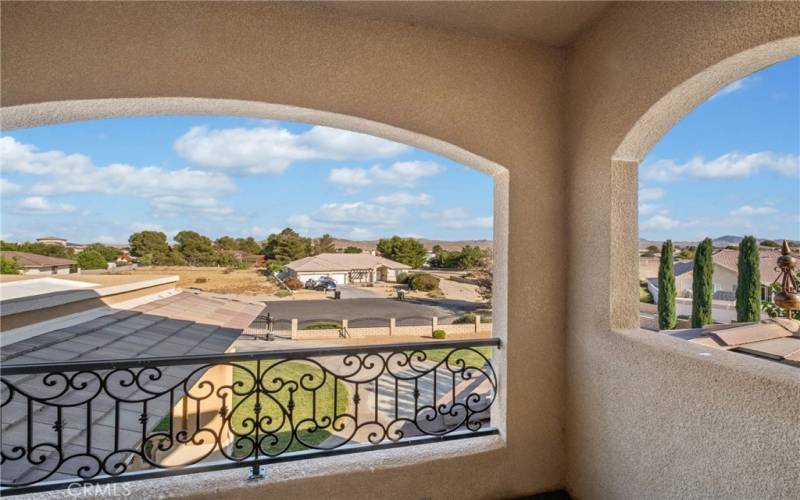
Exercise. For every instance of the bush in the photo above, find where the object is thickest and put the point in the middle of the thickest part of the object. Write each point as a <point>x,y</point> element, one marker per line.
<point>91,259</point>
<point>469,319</point>
<point>293,283</point>
<point>201,280</point>
<point>282,293</point>
<point>322,325</point>
<point>9,266</point>
<point>402,277</point>
<point>423,282</point>
<point>439,334</point>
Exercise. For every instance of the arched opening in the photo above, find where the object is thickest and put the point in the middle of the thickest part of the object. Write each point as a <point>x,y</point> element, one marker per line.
<point>649,129</point>
<point>52,113</point>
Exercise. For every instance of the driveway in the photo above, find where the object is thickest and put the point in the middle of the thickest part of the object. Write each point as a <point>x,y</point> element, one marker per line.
<point>364,312</point>
<point>358,292</point>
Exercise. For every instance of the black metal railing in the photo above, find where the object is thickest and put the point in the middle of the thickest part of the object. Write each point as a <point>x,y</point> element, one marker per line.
<point>105,421</point>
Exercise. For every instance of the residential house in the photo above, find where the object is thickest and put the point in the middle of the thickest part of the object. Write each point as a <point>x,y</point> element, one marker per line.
<point>31,263</point>
<point>52,240</point>
<point>345,268</point>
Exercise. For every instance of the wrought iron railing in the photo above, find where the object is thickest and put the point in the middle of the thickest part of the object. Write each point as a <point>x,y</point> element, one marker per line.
<point>104,421</point>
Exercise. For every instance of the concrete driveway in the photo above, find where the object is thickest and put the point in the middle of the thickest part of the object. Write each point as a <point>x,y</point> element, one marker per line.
<point>357,292</point>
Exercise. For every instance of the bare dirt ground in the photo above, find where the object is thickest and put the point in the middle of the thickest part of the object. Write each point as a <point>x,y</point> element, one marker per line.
<point>214,279</point>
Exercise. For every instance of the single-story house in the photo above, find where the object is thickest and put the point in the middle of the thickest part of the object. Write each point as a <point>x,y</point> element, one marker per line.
<point>52,240</point>
<point>345,268</point>
<point>31,263</point>
<point>725,274</point>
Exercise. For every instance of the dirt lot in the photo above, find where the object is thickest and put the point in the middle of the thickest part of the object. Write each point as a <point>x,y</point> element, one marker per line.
<point>215,279</point>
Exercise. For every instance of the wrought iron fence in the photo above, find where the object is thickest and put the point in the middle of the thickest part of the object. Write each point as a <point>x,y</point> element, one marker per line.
<point>105,421</point>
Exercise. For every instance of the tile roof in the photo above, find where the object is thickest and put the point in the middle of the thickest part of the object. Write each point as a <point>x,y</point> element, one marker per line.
<point>327,262</point>
<point>729,259</point>
<point>26,259</point>
<point>183,324</point>
<point>777,339</point>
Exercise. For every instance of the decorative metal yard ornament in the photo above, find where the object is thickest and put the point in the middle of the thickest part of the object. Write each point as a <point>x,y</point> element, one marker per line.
<point>787,298</point>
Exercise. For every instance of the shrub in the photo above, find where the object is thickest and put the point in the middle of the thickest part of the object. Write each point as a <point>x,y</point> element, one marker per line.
<point>293,283</point>
<point>439,334</point>
<point>402,277</point>
<point>423,282</point>
<point>282,293</point>
<point>201,280</point>
<point>9,266</point>
<point>322,325</point>
<point>469,318</point>
<point>91,259</point>
<point>436,294</point>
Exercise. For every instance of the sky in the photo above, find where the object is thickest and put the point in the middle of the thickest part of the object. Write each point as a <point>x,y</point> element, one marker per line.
<point>731,166</point>
<point>105,179</point>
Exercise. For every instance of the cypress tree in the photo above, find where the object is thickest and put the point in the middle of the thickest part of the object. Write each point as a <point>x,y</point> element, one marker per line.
<point>666,289</point>
<point>748,283</point>
<point>702,285</point>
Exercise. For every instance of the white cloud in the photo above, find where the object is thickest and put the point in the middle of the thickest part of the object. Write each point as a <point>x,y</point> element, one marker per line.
<point>271,149</point>
<point>736,86</point>
<point>41,205</point>
<point>75,173</point>
<point>648,208</point>
<point>750,210</point>
<point>457,218</point>
<point>651,194</point>
<point>144,226</point>
<point>403,198</point>
<point>662,222</point>
<point>399,174</point>
<point>106,239</point>
<point>728,165</point>
<point>177,205</point>
<point>8,187</point>
<point>358,233</point>
<point>341,216</point>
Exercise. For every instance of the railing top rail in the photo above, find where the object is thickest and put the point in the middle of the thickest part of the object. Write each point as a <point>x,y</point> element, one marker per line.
<point>199,359</point>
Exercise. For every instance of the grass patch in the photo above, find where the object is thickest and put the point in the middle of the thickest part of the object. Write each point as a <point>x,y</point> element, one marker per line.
<point>644,293</point>
<point>469,357</point>
<point>303,400</point>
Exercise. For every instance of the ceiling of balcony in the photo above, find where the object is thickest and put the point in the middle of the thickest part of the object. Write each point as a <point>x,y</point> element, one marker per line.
<point>549,23</point>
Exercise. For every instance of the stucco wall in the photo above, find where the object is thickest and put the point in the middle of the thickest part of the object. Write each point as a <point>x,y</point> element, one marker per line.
<point>498,100</point>
<point>648,416</point>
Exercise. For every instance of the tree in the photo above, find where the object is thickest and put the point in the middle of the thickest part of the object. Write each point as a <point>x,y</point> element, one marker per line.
<point>249,245</point>
<point>769,243</point>
<point>108,253</point>
<point>406,250</point>
<point>687,253</point>
<point>352,249</point>
<point>150,243</point>
<point>702,286</point>
<point>748,283</point>
<point>196,248</point>
<point>654,249</point>
<point>324,245</point>
<point>38,248</point>
<point>667,320</point>
<point>470,257</point>
<point>285,247</point>
<point>91,259</point>
<point>226,243</point>
<point>485,275</point>
<point>8,266</point>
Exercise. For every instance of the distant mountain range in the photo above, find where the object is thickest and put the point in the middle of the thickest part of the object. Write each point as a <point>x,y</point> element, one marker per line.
<point>368,245</point>
<point>720,242</point>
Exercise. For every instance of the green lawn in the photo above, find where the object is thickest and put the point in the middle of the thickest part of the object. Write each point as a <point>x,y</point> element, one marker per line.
<point>303,400</point>
<point>469,357</point>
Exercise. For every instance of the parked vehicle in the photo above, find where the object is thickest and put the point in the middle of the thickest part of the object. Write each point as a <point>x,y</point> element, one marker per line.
<point>310,284</point>
<point>325,284</point>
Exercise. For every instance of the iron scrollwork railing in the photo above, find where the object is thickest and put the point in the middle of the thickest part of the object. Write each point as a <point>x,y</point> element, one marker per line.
<point>104,420</point>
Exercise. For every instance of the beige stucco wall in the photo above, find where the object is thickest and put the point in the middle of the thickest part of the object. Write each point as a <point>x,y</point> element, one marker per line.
<point>636,408</point>
<point>648,416</point>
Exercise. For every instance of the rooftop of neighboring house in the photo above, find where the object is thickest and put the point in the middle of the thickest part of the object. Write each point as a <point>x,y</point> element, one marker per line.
<point>177,325</point>
<point>50,238</point>
<point>27,260</point>
<point>327,262</point>
<point>729,259</point>
<point>775,339</point>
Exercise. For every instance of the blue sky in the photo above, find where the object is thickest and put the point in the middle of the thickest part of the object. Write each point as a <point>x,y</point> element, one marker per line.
<point>101,180</point>
<point>731,165</point>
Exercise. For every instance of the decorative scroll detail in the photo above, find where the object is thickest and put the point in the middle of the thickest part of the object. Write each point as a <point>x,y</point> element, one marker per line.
<point>106,420</point>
